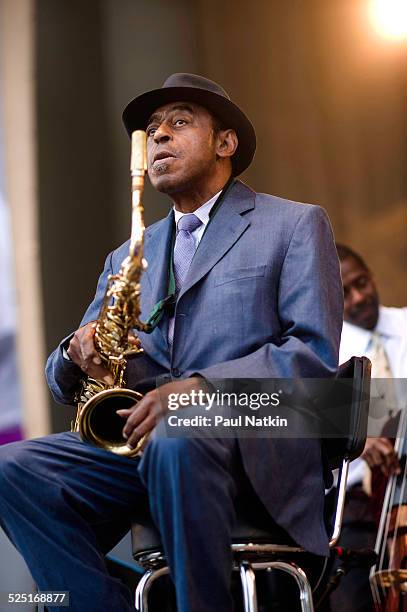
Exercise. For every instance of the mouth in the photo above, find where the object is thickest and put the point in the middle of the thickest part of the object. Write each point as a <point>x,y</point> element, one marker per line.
<point>365,316</point>
<point>163,156</point>
<point>363,309</point>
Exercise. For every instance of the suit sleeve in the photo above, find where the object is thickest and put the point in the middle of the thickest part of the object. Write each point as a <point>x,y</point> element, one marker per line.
<point>310,309</point>
<point>63,376</point>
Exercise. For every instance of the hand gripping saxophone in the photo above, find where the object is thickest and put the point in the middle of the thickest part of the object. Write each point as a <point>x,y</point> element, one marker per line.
<point>96,418</point>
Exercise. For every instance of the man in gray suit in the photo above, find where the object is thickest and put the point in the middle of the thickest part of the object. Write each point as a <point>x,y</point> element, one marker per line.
<point>257,295</point>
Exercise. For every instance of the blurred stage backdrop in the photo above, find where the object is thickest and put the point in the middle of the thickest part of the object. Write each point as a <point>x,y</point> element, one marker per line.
<point>325,84</point>
<point>326,90</point>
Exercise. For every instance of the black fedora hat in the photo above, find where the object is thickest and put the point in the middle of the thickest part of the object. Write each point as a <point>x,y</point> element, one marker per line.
<point>184,87</point>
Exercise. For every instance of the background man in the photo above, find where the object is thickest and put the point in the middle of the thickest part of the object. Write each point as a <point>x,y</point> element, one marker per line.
<point>251,301</point>
<point>380,333</point>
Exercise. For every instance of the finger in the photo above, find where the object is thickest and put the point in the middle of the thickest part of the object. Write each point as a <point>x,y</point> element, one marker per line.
<point>88,347</point>
<point>384,445</point>
<point>81,349</point>
<point>373,458</point>
<point>378,457</point>
<point>124,412</point>
<point>134,419</point>
<point>74,351</point>
<point>379,451</point>
<point>144,428</point>
<point>99,373</point>
<point>393,464</point>
<point>379,443</point>
<point>142,443</point>
<point>106,378</point>
<point>389,456</point>
<point>390,464</point>
<point>393,469</point>
<point>387,470</point>
<point>84,362</point>
<point>93,365</point>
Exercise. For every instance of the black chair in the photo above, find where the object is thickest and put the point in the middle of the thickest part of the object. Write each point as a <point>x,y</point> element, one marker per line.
<point>257,549</point>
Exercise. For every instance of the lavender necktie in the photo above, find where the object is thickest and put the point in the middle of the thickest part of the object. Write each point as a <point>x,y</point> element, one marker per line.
<point>185,247</point>
<point>184,250</point>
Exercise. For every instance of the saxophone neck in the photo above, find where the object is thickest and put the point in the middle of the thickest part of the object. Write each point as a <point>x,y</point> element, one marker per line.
<point>138,167</point>
<point>137,223</point>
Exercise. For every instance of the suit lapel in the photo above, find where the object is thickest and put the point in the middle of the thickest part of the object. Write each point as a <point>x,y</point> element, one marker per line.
<point>223,231</point>
<point>157,253</point>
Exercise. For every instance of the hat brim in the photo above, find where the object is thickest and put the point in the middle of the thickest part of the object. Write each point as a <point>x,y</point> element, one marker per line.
<point>138,111</point>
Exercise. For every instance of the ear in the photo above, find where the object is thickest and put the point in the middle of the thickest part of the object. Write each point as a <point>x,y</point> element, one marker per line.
<point>226,143</point>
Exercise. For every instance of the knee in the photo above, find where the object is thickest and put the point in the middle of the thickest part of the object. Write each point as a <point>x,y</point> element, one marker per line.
<point>9,454</point>
<point>12,456</point>
<point>166,451</point>
<point>181,449</point>
<point>164,456</point>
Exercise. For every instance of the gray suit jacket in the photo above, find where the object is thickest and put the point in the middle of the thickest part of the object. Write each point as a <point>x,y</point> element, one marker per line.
<point>262,299</point>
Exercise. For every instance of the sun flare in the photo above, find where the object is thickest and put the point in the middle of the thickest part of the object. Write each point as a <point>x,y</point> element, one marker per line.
<point>390,18</point>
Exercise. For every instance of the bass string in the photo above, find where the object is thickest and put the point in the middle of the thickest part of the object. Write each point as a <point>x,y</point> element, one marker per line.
<point>398,523</point>
<point>382,537</point>
<point>393,486</point>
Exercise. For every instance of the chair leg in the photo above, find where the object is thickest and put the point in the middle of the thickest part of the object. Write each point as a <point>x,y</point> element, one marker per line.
<point>298,574</point>
<point>248,581</point>
<point>143,587</point>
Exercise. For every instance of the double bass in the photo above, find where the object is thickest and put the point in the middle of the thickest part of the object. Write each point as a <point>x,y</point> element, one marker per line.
<point>388,578</point>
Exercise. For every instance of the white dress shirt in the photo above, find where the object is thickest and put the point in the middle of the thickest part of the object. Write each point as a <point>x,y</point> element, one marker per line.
<point>392,331</point>
<point>202,213</point>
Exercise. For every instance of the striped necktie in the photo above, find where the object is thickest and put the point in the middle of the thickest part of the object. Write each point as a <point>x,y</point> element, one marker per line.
<point>184,250</point>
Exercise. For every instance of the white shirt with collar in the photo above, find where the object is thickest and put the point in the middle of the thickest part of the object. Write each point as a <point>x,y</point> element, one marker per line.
<point>202,213</point>
<point>392,330</point>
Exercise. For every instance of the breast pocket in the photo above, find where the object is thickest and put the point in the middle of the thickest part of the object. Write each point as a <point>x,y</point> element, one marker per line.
<point>242,300</point>
<point>239,274</point>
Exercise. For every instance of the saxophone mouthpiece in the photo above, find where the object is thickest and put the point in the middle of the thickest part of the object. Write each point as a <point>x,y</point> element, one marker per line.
<point>138,163</point>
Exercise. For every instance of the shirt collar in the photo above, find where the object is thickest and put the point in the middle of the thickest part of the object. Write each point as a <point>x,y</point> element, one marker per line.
<point>361,337</point>
<point>202,212</point>
<point>384,327</point>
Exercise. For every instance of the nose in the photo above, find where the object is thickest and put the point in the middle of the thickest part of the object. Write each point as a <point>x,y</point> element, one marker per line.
<point>162,133</point>
<point>356,296</point>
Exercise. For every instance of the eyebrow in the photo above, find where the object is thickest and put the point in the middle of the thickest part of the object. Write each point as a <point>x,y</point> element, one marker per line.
<point>177,107</point>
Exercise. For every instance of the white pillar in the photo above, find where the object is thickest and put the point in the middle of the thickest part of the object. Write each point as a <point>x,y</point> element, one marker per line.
<point>17,86</point>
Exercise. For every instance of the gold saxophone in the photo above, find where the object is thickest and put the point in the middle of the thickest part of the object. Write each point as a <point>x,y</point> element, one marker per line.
<point>96,418</point>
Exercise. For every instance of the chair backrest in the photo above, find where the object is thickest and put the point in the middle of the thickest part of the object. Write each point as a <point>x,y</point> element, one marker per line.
<point>349,402</point>
<point>352,400</point>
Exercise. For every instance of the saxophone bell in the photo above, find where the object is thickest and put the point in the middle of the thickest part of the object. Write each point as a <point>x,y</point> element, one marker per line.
<point>99,423</point>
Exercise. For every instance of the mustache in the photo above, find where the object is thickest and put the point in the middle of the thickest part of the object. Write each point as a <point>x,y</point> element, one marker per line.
<point>359,308</point>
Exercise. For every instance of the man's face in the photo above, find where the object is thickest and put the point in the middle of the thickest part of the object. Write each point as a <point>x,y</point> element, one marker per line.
<point>361,300</point>
<point>181,147</point>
